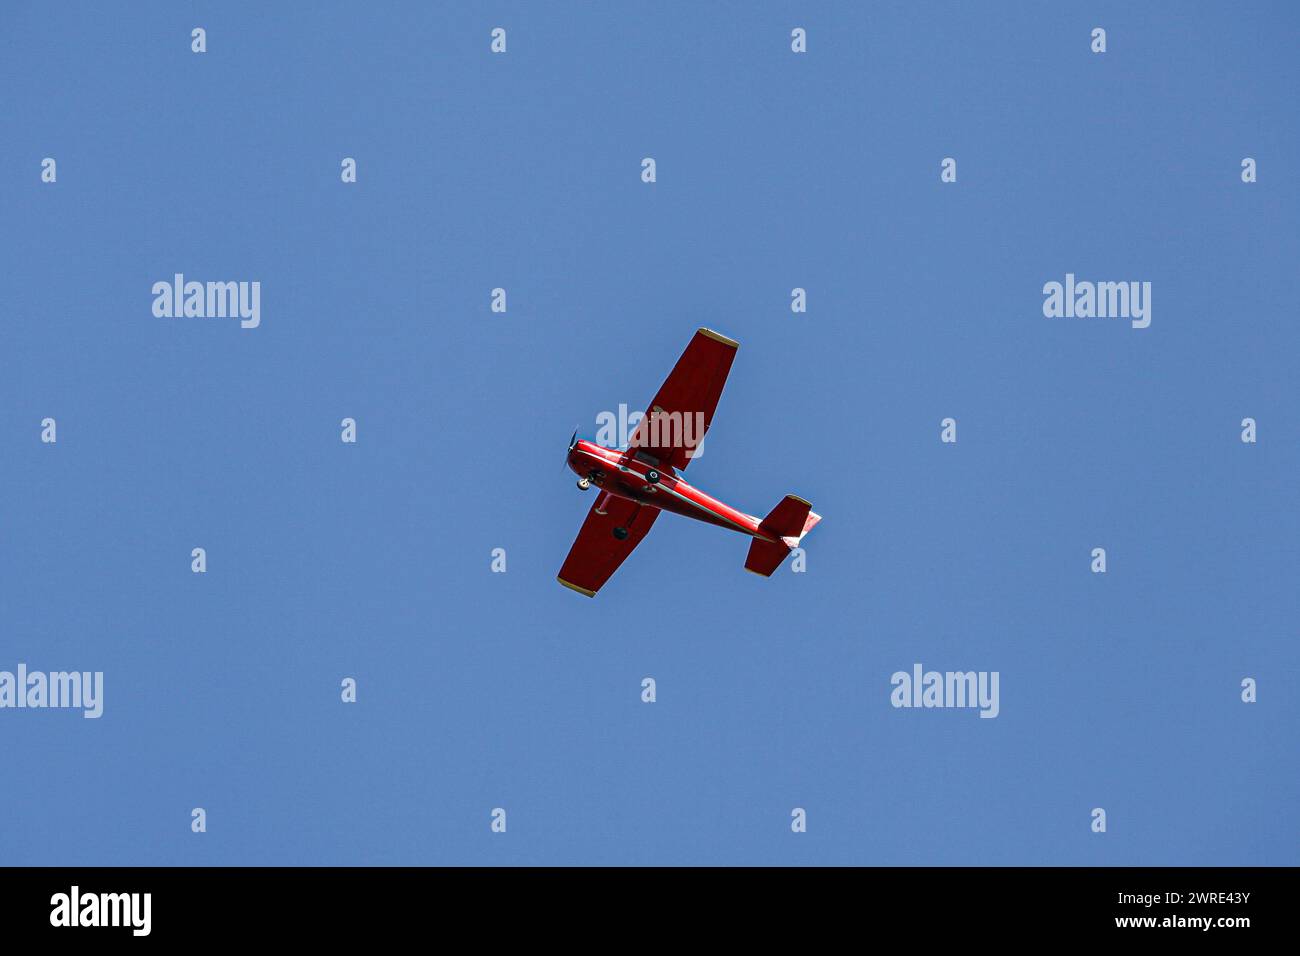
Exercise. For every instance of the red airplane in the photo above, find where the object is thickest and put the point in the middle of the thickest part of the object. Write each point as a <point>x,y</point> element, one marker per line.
<point>635,485</point>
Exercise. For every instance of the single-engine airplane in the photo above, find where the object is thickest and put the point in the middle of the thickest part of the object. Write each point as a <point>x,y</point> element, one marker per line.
<point>636,484</point>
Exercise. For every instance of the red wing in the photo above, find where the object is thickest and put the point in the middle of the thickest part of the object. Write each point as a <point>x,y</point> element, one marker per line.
<point>596,554</point>
<point>686,401</point>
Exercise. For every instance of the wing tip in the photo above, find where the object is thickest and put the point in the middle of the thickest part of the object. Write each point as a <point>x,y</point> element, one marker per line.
<point>718,337</point>
<point>574,587</point>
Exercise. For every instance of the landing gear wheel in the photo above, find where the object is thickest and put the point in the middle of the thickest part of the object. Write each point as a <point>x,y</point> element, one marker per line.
<point>652,476</point>
<point>620,533</point>
<point>584,483</point>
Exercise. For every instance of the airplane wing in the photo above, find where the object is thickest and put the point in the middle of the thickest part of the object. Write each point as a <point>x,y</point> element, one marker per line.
<point>686,400</point>
<point>597,553</point>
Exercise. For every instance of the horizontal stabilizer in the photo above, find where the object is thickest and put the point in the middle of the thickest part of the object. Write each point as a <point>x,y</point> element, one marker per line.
<point>788,522</point>
<point>789,519</point>
<point>765,556</point>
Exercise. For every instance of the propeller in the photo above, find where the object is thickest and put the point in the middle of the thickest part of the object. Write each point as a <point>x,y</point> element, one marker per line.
<point>572,441</point>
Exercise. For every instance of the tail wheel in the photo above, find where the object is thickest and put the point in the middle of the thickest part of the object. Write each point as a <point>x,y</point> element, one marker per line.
<point>584,483</point>
<point>652,476</point>
<point>620,533</point>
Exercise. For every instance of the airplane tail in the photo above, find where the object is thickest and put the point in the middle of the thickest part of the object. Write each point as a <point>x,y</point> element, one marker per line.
<point>788,522</point>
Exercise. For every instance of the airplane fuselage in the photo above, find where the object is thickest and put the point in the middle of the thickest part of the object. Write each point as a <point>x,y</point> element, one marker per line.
<point>627,474</point>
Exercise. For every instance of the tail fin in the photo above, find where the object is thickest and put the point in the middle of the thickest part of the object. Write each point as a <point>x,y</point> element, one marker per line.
<point>789,521</point>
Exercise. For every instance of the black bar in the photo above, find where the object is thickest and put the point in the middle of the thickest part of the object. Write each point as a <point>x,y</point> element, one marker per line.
<point>332,905</point>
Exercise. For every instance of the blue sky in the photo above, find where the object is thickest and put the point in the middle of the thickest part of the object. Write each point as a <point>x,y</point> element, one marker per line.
<point>775,170</point>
